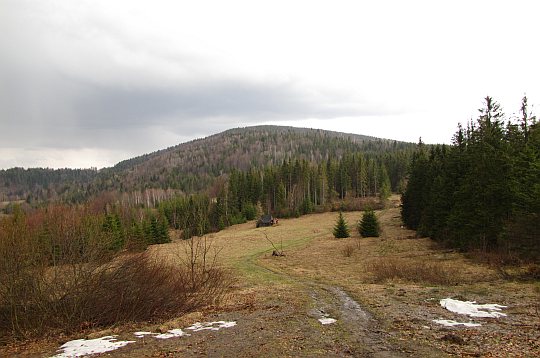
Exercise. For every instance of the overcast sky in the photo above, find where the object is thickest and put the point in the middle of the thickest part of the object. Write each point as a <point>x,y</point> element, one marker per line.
<point>90,83</point>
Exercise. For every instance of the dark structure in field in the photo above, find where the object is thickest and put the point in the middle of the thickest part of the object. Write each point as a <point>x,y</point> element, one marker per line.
<point>266,220</point>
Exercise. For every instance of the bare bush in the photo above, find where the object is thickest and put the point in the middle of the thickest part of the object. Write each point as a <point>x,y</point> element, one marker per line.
<point>208,281</point>
<point>143,287</point>
<point>70,280</point>
<point>357,204</point>
<point>414,271</point>
<point>496,258</point>
<point>537,305</point>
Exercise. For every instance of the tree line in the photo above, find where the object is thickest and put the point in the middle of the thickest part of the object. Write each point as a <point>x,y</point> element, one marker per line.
<point>291,189</point>
<point>483,191</point>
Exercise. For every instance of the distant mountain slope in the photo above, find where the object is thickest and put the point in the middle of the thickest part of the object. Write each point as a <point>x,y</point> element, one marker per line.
<point>194,165</point>
<point>45,183</point>
<point>231,148</point>
<point>191,166</point>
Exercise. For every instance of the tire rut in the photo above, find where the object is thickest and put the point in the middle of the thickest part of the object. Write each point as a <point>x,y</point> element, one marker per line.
<point>364,335</point>
<point>363,331</point>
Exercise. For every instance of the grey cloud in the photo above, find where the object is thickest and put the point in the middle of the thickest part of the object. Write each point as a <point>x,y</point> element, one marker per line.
<point>55,110</point>
<point>57,92</point>
<point>234,99</point>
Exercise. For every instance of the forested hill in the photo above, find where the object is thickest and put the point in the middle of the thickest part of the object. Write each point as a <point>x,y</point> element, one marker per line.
<point>193,166</point>
<point>240,148</point>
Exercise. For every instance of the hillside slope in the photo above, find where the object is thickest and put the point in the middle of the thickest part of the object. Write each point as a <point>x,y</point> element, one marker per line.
<point>193,166</point>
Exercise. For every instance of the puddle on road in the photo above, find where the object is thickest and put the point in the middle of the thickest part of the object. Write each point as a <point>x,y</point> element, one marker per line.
<point>362,326</point>
<point>338,301</point>
<point>351,309</point>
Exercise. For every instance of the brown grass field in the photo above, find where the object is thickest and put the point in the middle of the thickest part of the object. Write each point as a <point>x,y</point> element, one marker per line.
<point>384,293</point>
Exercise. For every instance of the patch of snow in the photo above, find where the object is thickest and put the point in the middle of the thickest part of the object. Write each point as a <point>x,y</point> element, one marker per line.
<point>327,320</point>
<point>450,323</point>
<point>82,347</point>
<point>472,309</point>
<point>171,334</point>
<point>211,326</point>
<point>142,334</point>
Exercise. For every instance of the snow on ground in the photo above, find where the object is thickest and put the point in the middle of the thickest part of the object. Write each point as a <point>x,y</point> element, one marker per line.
<point>450,323</point>
<point>172,334</point>
<point>472,309</point>
<point>327,320</point>
<point>142,334</point>
<point>82,347</point>
<point>212,326</point>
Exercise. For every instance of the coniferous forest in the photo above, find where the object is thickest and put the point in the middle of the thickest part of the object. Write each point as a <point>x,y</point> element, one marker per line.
<point>483,191</point>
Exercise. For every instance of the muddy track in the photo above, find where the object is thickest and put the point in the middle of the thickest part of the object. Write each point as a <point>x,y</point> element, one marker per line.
<point>362,332</point>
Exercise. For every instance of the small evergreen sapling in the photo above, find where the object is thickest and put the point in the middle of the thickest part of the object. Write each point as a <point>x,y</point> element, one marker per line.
<point>369,225</point>
<point>341,230</point>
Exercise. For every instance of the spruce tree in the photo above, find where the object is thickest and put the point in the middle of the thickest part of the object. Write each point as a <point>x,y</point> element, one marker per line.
<point>341,230</point>
<point>385,187</point>
<point>369,225</point>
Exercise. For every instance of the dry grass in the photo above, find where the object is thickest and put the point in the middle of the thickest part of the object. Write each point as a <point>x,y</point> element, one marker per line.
<point>348,250</point>
<point>242,246</point>
<point>436,273</point>
<point>314,257</point>
<point>312,253</point>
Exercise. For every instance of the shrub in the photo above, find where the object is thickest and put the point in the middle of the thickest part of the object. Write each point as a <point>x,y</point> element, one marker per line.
<point>307,206</point>
<point>249,211</point>
<point>341,230</point>
<point>369,225</point>
<point>65,277</point>
<point>354,204</point>
<point>237,218</point>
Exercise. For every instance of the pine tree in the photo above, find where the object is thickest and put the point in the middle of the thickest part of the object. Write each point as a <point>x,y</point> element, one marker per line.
<point>413,198</point>
<point>385,188</point>
<point>113,227</point>
<point>341,230</point>
<point>369,225</point>
<point>162,231</point>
